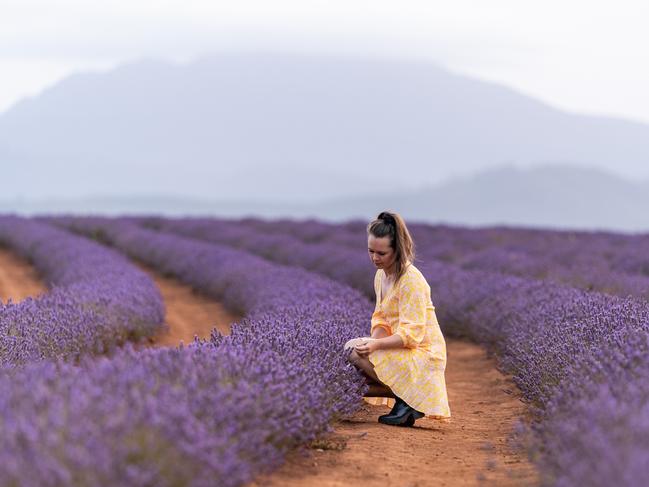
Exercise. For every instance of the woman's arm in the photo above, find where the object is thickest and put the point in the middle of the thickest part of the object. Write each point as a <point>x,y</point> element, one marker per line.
<point>413,306</point>
<point>380,332</point>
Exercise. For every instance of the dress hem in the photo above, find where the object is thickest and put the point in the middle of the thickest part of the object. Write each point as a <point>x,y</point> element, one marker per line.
<point>399,394</point>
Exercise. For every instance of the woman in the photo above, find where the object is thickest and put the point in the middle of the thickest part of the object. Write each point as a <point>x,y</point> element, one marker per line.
<point>406,354</point>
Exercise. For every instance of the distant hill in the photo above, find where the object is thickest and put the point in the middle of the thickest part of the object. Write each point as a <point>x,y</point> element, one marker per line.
<point>283,128</point>
<point>547,196</point>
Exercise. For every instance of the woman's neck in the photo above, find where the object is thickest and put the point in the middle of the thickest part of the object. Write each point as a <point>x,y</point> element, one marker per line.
<point>391,272</point>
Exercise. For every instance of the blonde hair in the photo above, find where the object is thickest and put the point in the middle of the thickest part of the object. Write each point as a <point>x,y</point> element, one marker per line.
<point>390,224</point>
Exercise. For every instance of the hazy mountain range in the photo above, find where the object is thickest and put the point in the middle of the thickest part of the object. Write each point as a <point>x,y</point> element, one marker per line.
<point>289,132</point>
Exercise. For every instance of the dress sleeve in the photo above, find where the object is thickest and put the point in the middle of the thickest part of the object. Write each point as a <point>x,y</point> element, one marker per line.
<point>378,319</point>
<point>413,300</point>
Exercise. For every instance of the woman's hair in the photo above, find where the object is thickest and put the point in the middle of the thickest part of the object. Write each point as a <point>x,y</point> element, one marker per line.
<point>390,224</point>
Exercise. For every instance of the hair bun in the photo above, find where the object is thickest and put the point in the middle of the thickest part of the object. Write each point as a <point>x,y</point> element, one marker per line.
<point>387,218</point>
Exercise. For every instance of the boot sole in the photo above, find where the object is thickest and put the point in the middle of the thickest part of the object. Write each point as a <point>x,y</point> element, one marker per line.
<point>407,420</point>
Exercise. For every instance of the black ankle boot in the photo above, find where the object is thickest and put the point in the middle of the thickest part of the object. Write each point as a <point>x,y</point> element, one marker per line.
<point>397,403</point>
<point>403,415</point>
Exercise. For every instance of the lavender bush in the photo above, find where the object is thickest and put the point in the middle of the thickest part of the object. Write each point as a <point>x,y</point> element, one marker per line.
<point>595,261</point>
<point>579,357</point>
<point>340,263</point>
<point>98,299</point>
<point>204,415</point>
<point>216,412</point>
<point>600,261</point>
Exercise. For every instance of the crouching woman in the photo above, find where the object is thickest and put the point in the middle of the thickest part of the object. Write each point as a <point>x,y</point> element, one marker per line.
<point>405,357</point>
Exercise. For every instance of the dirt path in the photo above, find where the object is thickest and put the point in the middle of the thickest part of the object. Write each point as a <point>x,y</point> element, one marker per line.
<point>470,450</point>
<point>188,313</point>
<point>18,279</point>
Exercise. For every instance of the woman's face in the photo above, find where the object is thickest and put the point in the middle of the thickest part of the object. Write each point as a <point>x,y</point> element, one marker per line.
<point>381,254</point>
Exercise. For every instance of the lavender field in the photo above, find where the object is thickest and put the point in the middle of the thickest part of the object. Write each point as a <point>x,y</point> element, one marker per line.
<point>566,314</point>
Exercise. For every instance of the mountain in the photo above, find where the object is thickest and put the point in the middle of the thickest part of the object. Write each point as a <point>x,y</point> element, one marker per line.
<point>282,128</point>
<point>545,196</point>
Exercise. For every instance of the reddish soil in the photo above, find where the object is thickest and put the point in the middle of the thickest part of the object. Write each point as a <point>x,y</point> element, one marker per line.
<point>188,313</point>
<point>18,279</point>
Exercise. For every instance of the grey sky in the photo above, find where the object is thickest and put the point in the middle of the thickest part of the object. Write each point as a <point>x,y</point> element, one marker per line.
<point>587,56</point>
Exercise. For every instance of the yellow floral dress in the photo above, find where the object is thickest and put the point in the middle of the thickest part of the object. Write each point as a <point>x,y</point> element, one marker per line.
<point>414,373</point>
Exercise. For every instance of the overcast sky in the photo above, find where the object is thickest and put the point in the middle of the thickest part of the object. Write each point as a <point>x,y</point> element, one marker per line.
<point>581,55</point>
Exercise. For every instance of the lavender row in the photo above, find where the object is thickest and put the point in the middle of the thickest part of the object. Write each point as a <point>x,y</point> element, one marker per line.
<point>214,413</point>
<point>98,300</point>
<point>623,253</point>
<point>588,261</point>
<point>577,356</point>
<point>339,263</point>
<point>599,261</point>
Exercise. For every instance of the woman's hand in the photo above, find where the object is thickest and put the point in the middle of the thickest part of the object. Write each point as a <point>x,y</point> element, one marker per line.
<point>367,347</point>
<point>372,345</point>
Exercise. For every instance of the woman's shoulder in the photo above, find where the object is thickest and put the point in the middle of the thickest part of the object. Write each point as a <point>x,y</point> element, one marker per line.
<point>413,276</point>
<point>413,271</point>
